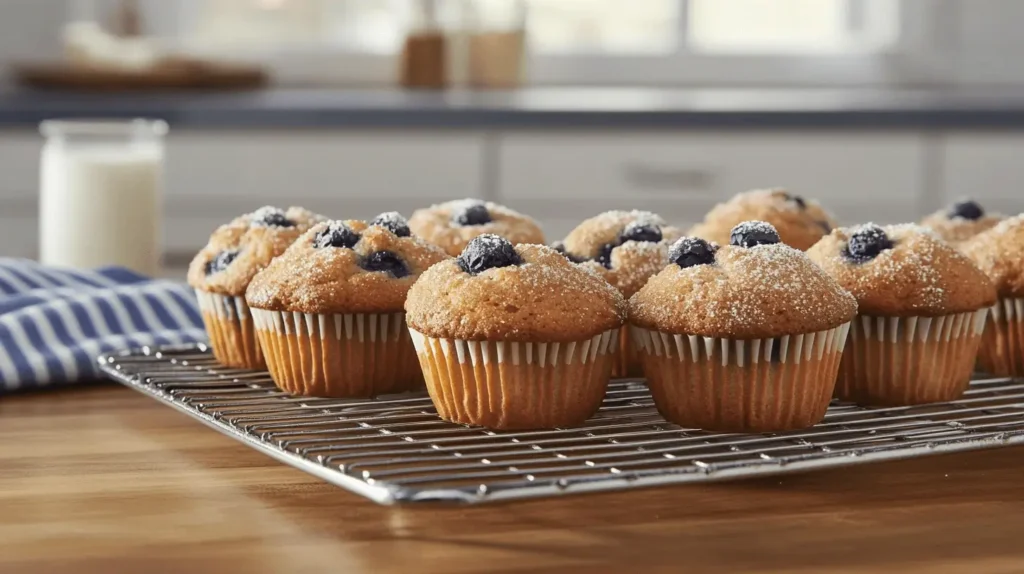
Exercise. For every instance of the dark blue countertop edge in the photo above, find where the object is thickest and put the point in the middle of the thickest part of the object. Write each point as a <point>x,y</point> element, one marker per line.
<point>584,108</point>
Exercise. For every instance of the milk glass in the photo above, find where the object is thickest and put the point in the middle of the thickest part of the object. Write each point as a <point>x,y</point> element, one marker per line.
<point>100,201</point>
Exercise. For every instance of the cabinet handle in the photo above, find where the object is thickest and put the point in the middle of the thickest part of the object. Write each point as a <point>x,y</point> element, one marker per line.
<point>653,178</point>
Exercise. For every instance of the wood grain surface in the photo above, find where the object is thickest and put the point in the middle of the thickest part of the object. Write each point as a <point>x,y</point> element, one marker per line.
<point>100,479</point>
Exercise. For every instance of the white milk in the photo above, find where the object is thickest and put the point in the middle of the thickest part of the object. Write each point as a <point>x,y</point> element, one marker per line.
<point>100,204</point>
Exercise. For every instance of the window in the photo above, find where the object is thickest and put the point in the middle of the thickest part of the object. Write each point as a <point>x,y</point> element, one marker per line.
<point>586,41</point>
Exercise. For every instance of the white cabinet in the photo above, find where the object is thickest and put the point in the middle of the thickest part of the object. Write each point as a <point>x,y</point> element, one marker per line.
<point>986,166</point>
<point>19,192</point>
<point>563,177</point>
<point>19,164</point>
<point>213,176</point>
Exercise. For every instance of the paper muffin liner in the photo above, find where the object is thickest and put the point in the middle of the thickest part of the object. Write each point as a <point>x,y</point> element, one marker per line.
<point>894,361</point>
<point>1002,343</point>
<point>229,324</point>
<point>516,385</point>
<point>338,355</point>
<point>626,362</point>
<point>758,385</point>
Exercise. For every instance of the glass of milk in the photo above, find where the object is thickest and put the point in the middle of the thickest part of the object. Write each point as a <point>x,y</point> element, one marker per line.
<point>100,197</point>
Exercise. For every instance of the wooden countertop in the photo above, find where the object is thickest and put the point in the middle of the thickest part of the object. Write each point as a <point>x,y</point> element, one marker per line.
<point>101,479</point>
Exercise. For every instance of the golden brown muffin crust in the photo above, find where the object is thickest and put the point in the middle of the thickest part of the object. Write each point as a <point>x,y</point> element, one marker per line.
<point>920,276</point>
<point>256,244</point>
<point>747,293</point>
<point>435,225</point>
<point>632,262</point>
<point>999,252</point>
<point>547,298</point>
<point>310,279</point>
<point>798,226</point>
<point>956,230</point>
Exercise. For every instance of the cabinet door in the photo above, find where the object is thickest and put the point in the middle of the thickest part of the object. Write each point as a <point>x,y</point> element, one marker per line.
<point>213,176</point>
<point>565,177</point>
<point>986,167</point>
<point>19,192</point>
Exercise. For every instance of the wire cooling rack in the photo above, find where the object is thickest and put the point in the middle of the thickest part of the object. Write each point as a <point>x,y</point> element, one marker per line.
<point>395,449</point>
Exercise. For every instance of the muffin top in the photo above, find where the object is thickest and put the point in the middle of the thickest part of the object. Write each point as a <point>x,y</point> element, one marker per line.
<point>961,221</point>
<point>999,252</point>
<point>800,222</point>
<point>902,271</point>
<point>453,224</point>
<point>755,287</point>
<point>500,292</point>
<point>624,247</point>
<point>345,267</point>
<point>238,250</point>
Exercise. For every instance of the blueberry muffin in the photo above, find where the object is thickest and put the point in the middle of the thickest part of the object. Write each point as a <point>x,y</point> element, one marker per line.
<point>329,314</point>
<point>514,337</point>
<point>453,224</point>
<point>221,272</point>
<point>800,222</point>
<point>922,309</point>
<point>961,221</point>
<point>626,248</point>
<point>999,252</point>
<point>742,338</point>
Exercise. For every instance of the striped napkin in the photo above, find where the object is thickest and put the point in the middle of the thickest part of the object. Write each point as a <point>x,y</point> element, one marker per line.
<point>55,322</point>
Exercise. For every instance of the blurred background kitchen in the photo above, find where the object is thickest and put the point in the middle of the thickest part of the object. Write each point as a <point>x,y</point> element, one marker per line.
<point>882,109</point>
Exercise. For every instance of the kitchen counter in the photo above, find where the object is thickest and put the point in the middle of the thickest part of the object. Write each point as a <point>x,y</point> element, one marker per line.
<point>638,108</point>
<point>100,479</point>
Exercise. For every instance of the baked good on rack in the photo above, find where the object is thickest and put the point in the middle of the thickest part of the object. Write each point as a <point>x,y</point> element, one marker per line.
<point>961,221</point>
<point>514,337</point>
<point>452,225</point>
<point>626,248</point>
<point>328,311</point>
<point>746,337</point>
<point>800,222</point>
<point>999,252</point>
<point>922,308</point>
<point>222,270</point>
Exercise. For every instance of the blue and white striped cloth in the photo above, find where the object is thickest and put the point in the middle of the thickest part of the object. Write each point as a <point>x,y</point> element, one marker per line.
<point>55,322</point>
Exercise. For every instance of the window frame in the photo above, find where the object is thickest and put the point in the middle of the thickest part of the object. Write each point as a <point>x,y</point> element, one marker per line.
<point>915,59</point>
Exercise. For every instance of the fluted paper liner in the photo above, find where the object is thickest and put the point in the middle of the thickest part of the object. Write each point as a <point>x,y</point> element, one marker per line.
<point>229,324</point>
<point>758,385</point>
<point>516,385</point>
<point>893,361</point>
<point>338,355</point>
<point>626,362</point>
<point>1002,343</point>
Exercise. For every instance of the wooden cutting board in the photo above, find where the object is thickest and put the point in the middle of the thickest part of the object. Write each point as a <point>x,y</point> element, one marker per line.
<point>171,75</point>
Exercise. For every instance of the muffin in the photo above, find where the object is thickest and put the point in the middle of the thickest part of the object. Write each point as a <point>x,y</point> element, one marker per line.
<point>221,272</point>
<point>328,311</point>
<point>1000,254</point>
<point>453,224</point>
<point>514,337</point>
<point>922,309</point>
<point>742,338</point>
<point>800,222</point>
<point>626,248</point>
<point>960,221</point>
